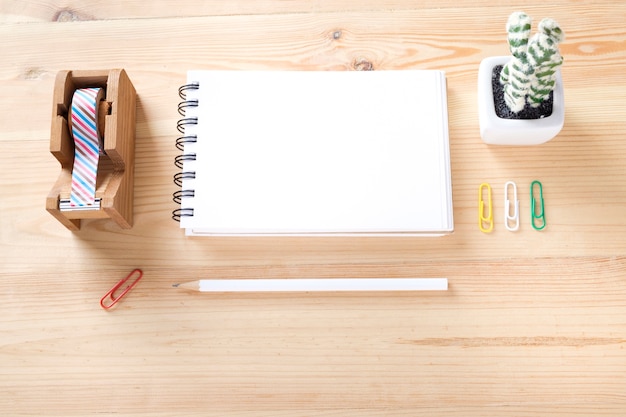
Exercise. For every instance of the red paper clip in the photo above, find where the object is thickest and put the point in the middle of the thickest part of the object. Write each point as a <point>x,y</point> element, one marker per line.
<point>111,293</point>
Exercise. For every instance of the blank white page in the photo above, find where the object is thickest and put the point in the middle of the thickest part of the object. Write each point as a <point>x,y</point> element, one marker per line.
<point>289,152</point>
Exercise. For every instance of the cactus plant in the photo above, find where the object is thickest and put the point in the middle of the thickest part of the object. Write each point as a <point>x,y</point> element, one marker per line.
<point>529,76</point>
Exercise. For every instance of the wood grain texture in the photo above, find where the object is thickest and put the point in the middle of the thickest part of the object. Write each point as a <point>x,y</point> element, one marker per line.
<point>80,10</point>
<point>533,322</point>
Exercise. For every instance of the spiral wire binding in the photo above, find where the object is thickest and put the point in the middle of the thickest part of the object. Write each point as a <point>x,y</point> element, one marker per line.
<point>184,105</point>
<point>178,161</point>
<point>182,91</point>
<point>180,125</point>
<point>182,212</point>
<point>180,194</point>
<point>185,175</point>
<point>181,141</point>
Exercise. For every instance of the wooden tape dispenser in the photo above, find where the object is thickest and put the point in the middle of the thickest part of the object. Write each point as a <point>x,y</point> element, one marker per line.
<point>93,138</point>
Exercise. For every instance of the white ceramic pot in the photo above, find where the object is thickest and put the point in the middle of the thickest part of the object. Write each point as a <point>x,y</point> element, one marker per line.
<point>497,131</point>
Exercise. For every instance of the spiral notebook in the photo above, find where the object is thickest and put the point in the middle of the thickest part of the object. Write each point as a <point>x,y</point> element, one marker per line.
<point>314,153</point>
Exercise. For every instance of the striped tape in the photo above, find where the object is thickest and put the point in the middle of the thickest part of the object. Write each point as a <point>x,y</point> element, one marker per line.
<point>84,121</point>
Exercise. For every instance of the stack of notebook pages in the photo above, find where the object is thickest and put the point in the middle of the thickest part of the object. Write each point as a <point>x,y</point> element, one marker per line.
<point>314,153</point>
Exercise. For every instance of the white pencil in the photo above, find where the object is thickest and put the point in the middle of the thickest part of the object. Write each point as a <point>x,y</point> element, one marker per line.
<point>316,284</point>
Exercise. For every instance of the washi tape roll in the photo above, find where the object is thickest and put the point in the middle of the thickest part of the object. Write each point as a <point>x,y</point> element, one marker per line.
<point>87,144</point>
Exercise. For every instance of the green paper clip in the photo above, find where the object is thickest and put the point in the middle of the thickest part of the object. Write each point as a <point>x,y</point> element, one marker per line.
<point>537,212</point>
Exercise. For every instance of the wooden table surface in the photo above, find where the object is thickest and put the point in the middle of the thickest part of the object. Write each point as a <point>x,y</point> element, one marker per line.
<point>534,323</point>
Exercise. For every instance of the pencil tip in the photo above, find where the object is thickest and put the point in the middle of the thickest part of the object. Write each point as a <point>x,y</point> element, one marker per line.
<point>175,285</point>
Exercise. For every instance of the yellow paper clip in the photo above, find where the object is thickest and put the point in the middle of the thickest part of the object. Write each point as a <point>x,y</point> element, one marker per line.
<point>485,222</point>
<point>511,207</point>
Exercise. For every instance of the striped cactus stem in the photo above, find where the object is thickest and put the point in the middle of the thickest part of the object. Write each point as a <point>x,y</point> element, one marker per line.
<point>544,56</point>
<point>516,74</point>
<point>518,30</point>
<point>529,76</point>
<point>518,77</point>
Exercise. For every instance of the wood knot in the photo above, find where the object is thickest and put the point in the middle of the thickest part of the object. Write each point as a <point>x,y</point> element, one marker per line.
<point>68,15</point>
<point>362,64</point>
<point>33,73</point>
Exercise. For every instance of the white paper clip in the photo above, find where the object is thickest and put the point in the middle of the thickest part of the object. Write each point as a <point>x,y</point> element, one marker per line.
<point>511,208</point>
